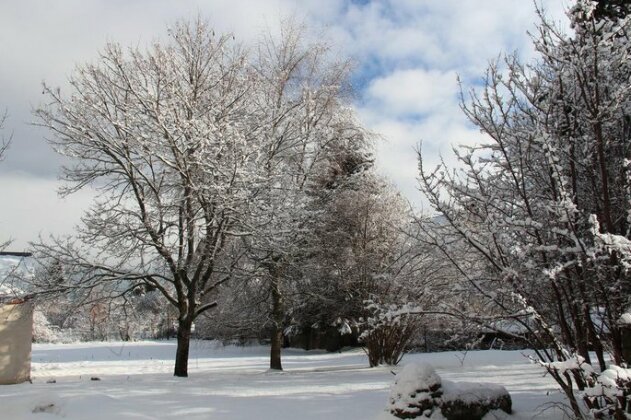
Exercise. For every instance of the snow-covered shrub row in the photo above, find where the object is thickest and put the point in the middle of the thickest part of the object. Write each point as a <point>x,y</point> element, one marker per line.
<point>65,319</point>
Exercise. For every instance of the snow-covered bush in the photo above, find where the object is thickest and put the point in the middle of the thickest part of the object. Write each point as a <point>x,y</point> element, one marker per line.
<point>607,395</point>
<point>43,331</point>
<point>388,330</point>
<point>537,220</point>
<point>610,394</point>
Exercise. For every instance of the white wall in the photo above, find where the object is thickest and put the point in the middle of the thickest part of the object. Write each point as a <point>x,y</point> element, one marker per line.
<point>16,335</point>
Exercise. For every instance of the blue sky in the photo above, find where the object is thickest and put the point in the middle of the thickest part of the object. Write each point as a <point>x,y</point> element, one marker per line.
<point>407,54</point>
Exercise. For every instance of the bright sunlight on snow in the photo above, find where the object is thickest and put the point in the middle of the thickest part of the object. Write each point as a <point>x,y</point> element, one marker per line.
<point>134,381</point>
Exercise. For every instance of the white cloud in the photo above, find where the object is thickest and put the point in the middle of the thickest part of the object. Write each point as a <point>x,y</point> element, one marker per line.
<point>418,48</point>
<point>445,34</point>
<point>407,51</point>
<point>396,155</point>
<point>414,92</point>
<point>44,40</point>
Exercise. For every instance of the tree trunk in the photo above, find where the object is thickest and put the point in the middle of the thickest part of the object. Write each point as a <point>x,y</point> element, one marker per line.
<point>604,175</point>
<point>278,315</point>
<point>183,344</point>
<point>567,388</point>
<point>277,343</point>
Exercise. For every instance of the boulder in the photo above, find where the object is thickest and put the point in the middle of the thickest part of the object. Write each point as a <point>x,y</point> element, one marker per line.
<point>414,392</point>
<point>472,401</point>
<point>418,392</point>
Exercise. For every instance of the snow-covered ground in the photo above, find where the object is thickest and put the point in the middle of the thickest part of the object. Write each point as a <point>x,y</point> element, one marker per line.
<point>234,383</point>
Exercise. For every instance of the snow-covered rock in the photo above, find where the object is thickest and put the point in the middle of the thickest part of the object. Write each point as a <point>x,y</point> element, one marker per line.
<point>418,392</point>
<point>470,401</point>
<point>415,388</point>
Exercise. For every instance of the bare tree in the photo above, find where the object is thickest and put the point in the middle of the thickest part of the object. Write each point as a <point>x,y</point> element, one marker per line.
<point>303,102</point>
<point>537,221</point>
<point>201,153</point>
<point>162,137</point>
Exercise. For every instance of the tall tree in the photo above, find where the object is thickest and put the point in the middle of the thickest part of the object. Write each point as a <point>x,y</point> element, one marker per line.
<point>202,154</point>
<point>163,138</point>
<point>304,108</point>
<point>357,237</point>
<point>543,205</point>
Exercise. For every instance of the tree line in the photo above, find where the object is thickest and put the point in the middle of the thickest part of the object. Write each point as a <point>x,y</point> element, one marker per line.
<point>236,184</point>
<point>225,176</point>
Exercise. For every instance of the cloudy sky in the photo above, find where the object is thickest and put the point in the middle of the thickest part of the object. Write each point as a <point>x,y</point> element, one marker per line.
<point>408,54</point>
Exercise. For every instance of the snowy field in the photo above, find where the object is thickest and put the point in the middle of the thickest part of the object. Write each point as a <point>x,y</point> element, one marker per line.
<point>233,383</point>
